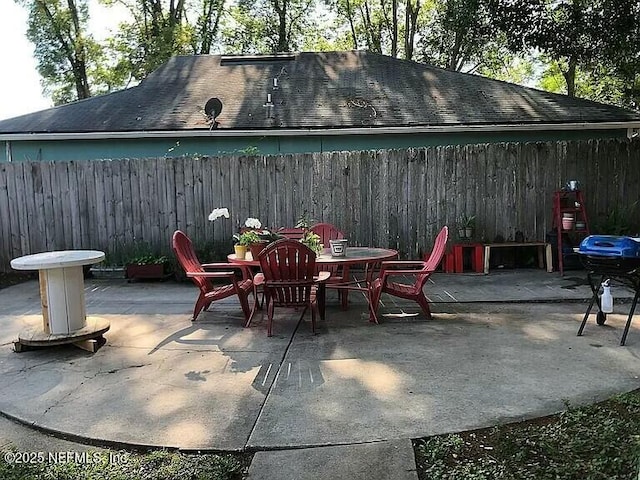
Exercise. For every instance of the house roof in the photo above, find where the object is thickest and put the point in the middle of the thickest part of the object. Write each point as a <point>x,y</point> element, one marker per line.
<point>328,90</point>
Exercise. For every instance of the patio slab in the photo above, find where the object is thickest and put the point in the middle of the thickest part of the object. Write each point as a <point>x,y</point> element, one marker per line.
<point>470,367</point>
<point>162,380</point>
<point>380,460</point>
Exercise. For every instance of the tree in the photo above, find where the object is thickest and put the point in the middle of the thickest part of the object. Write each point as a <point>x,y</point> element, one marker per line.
<point>573,34</point>
<point>158,30</point>
<point>268,26</point>
<point>208,24</point>
<point>63,49</point>
<point>458,35</point>
<point>383,26</point>
<point>618,61</point>
<point>412,10</point>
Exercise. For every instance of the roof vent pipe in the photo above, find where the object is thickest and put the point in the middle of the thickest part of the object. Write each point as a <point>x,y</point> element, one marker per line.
<point>275,83</point>
<point>269,107</point>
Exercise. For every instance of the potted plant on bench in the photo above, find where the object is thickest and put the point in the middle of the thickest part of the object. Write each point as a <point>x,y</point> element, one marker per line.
<point>147,264</point>
<point>466,226</point>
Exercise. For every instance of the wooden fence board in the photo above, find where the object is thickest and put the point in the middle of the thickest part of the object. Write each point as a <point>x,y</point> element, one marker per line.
<point>5,221</point>
<point>13,219</point>
<point>397,199</point>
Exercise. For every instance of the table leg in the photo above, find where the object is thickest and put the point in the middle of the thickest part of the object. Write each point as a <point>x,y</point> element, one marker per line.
<point>322,291</point>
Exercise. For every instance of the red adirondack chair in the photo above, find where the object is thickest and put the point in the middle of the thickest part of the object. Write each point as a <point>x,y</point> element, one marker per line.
<point>288,267</point>
<point>339,274</point>
<point>185,253</point>
<point>291,233</point>
<point>420,270</point>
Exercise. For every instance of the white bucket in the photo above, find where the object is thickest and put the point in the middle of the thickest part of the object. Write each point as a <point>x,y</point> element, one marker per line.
<point>338,247</point>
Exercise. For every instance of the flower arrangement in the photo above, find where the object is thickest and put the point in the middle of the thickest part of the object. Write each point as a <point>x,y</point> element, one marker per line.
<point>253,223</point>
<point>250,223</point>
<point>251,234</point>
<point>217,213</point>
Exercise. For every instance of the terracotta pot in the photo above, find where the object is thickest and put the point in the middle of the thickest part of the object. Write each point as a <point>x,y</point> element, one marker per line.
<point>241,251</point>
<point>256,248</point>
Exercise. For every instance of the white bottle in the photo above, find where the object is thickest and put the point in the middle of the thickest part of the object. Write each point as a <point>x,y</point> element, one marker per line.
<point>606,300</point>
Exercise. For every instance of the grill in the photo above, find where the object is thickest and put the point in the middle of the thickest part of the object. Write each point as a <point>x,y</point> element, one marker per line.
<point>610,257</point>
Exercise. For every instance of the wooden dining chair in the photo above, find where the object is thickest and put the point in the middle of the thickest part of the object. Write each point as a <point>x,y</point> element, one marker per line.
<point>288,268</point>
<point>419,270</point>
<point>209,293</point>
<point>339,274</point>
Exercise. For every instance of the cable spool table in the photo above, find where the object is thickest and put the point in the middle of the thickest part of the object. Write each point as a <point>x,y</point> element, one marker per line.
<point>62,297</point>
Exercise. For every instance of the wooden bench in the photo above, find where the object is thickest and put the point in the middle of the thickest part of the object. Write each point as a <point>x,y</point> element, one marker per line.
<point>544,250</point>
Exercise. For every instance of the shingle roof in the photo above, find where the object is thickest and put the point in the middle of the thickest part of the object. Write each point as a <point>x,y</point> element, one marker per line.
<point>315,90</point>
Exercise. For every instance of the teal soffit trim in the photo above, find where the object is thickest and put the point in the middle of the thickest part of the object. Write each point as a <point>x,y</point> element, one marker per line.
<point>80,147</point>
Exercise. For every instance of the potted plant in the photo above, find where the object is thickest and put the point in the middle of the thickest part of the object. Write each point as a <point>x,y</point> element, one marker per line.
<point>113,265</point>
<point>148,266</point>
<point>312,240</point>
<point>243,241</point>
<point>466,225</point>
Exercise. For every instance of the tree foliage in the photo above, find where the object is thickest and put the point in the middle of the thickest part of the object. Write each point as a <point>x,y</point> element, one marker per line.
<point>62,48</point>
<point>587,48</point>
<point>268,26</point>
<point>382,26</point>
<point>580,38</point>
<point>157,30</point>
<point>458,34</point>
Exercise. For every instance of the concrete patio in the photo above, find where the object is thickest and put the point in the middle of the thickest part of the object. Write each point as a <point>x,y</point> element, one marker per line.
<point>500,348</point>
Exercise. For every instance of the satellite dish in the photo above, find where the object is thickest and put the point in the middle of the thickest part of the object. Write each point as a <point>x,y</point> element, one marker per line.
<point>213,107</point>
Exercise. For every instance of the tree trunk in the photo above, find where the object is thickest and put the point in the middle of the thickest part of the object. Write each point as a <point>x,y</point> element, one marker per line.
<point>454,59</point>
<point>411,19</point>
<point>570,77</point>
<point>394,28</point>
<point>73,46</point>
<point>79,60</point>
<point>351,24</point>
<point>373,37</point>
<point>281,11</point>
<point>208,31</point>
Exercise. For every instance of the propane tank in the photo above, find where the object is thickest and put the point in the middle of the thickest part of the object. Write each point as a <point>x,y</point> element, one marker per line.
<point>606,300</point>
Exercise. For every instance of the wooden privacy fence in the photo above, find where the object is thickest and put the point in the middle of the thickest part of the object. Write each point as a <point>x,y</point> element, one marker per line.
<point>391,198</point>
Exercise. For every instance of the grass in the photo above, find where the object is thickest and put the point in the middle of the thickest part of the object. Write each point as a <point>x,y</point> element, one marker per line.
<point>595,442</point>
<point>105,465</point>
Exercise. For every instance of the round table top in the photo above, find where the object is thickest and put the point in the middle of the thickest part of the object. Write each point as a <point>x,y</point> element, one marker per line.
<point>354,255</point>
<point>57,259</point>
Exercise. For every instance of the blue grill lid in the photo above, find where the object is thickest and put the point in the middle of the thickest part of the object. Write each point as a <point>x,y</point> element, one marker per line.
<point>610,246</point>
